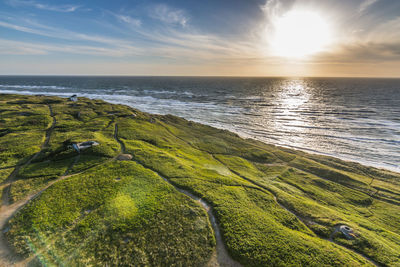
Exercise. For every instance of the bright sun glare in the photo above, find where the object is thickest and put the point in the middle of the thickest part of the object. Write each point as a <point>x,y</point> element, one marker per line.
<point>300,33</point>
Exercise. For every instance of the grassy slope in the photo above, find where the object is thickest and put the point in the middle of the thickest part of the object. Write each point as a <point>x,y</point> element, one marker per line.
<point>274,206</point>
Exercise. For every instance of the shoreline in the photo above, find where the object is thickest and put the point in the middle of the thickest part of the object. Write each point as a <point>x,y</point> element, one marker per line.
<point>266,182</point>
<point>384,167</point>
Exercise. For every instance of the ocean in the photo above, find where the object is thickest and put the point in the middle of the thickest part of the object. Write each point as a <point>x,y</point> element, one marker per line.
<point>355,119</point>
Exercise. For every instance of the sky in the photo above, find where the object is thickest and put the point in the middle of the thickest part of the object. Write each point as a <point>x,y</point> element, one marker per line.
<point>196,38</point>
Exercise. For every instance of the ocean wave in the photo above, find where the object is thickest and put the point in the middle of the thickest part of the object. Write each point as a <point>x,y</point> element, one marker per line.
<point>146,103</point>
<point>54,87</point>
<point>35,93</point>
<point>170,92</point>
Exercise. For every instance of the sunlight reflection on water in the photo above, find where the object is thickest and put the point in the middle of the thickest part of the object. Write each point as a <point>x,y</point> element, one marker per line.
<point>290,99</point>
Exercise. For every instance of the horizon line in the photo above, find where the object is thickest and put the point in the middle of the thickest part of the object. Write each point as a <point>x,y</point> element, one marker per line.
<point>194,76</point>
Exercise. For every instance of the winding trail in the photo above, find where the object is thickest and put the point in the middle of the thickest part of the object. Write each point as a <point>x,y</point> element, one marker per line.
<point>303,220</point>
<point>220,257</point>
<point>7,209</point>
<point>10,179</point>
<point>7,256</point>
<point>121,144</point>
<point>265,189</point>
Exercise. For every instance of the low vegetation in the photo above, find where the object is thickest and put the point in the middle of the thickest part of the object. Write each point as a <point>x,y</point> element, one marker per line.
<point>274,206</point>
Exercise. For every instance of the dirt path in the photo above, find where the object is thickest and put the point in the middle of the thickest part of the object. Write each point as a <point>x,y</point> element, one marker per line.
<point>7,256</point>
<point>303,220</point>
<point>264,189</point>
<point>122,145</point>
<point>7,209</point>
<point>10,179</point>
<point>221,256</point>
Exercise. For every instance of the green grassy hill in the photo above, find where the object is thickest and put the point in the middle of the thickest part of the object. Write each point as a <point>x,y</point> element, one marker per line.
<point>273,206</point>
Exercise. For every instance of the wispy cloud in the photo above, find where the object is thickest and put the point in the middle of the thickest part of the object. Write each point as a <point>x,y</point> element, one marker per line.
<point>29,26</point>
<point>275,8</point>
<point>17,27</point>
<point>129,20</point>
<point>169,15</point>
<point>361,52</point>
<point>386,31</point>
<point>9,47</point>
<point>365,5</point>
<point>57,8</point>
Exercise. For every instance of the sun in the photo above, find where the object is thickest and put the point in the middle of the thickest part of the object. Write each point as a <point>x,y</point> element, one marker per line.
<point>300,33</point>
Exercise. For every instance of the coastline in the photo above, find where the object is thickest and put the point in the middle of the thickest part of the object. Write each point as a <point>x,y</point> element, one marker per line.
<point>282,200</point>
<point>383,166</point>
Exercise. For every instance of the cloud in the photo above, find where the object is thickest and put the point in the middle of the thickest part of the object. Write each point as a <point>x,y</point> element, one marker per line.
<point>365,5</point>
<point>169,15</point>
<point>18,48</point>
<point>275,8</point>
<point>33,27</point>
<point>361,52</point>
<point>9,47</point>
<point>17,27</point>
<point>129,20</point>
<point>388,30</point>
<point>30,3</point>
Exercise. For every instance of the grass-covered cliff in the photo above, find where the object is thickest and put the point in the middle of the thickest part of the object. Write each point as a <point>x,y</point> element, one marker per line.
<point>273,206</point>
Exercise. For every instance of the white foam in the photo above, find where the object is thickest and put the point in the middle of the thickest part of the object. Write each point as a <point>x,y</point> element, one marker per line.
<point>54,87</point>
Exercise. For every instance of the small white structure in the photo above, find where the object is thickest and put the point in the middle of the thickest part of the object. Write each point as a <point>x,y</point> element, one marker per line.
<point>73,98</point>
<point>84,145</point>
<point>347,231</point>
